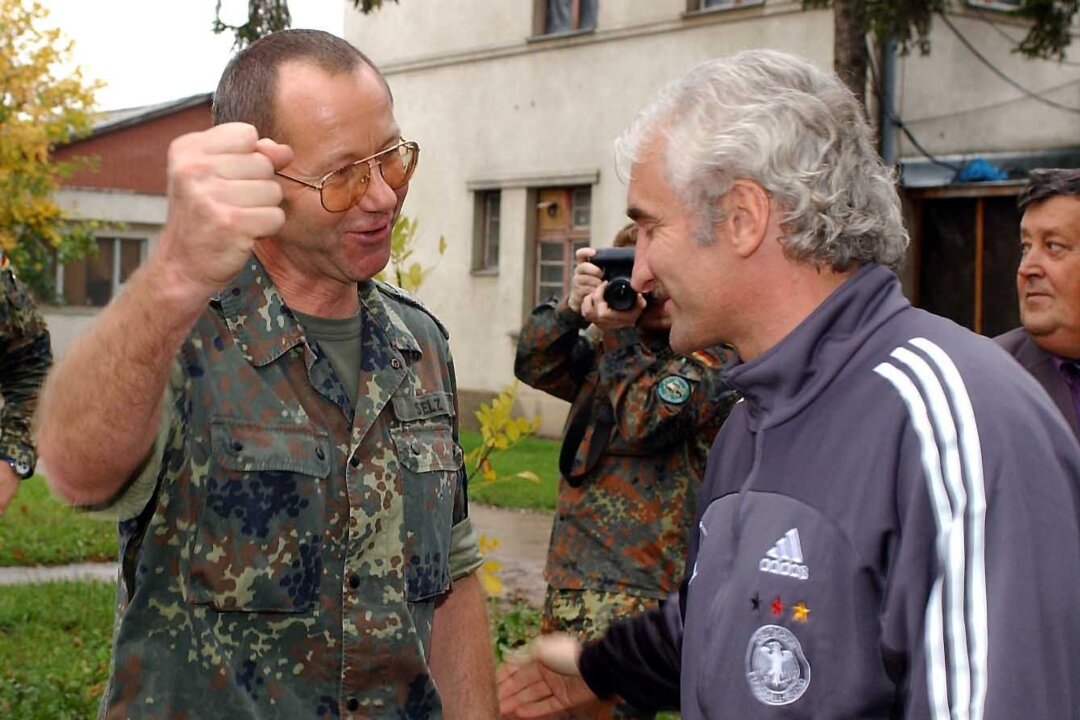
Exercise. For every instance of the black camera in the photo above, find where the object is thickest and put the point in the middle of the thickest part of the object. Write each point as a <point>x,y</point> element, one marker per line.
<point>618,265</point>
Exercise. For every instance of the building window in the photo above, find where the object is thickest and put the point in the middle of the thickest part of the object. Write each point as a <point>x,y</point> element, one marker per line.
<point>563,218</point>
<point>95,279</point>
<point>486,233</point>
<point>1003,5</point>
<point>567,16</point>
<point>700,5</point>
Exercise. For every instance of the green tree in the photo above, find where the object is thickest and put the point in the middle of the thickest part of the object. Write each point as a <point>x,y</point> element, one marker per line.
<point>43,103</point>
<point>267,16</point>
<point>907,23</point>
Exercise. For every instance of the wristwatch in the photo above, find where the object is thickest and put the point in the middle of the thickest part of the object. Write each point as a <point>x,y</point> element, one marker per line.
<point>22,469</point>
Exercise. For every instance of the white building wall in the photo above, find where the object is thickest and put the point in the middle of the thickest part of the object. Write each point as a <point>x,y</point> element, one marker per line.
<point>493,108</point>
<point>955,104</point>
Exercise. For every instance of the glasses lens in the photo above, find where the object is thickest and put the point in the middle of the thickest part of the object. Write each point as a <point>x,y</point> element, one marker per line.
<point>398,164</point>
<point>345,187</point>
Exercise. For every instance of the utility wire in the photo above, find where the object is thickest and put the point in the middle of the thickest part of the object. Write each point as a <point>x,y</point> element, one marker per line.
<point>895,120</point>
<point>988,106</point>
<point>982,58</point>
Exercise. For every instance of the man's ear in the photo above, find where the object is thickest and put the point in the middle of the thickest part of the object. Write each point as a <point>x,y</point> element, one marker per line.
<point>747,210</point>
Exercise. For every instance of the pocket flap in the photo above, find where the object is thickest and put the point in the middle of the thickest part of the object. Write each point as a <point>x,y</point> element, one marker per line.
<point>252,447</point>
<point>427,447</point>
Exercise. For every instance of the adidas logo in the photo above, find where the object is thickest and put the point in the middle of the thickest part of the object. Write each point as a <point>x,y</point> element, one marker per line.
<point>785,557</point>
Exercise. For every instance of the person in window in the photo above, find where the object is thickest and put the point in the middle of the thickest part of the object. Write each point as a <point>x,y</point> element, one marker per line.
<point>26,358</point>
<point>639,430</point>
<point>1048,284</point>
<point>890,518</point>
<point>275,429</point>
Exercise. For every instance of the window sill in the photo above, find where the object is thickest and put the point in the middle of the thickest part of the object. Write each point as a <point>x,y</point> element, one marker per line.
<point>560,35</point>
<point>719,9</point>
<point>485,272</point>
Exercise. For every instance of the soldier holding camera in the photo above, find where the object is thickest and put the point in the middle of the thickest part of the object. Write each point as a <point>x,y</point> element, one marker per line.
<point>641,423</point>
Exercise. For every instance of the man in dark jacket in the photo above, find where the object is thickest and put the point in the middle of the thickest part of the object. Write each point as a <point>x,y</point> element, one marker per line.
<point>637,438</point>
<point>890,519</point>
<point>1048,284</point>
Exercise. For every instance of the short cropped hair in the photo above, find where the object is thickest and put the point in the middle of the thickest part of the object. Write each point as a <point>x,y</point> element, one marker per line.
<point>1046,183</point>
<point>248,85</point>
<point>797,131</point>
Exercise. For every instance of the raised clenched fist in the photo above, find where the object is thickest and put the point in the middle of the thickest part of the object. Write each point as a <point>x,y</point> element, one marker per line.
<point>222,195</point>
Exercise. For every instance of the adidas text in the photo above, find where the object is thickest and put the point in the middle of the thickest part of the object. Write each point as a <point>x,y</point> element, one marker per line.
<point>783,567</point>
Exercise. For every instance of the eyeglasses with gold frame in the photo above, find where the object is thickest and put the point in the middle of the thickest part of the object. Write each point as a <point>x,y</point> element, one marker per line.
<point>340,189</point>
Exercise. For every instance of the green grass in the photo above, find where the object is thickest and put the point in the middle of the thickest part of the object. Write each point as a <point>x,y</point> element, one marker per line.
<point>37,529</point>
<point>55,641</point>
<point>532,454</point>
<point>513,625</point>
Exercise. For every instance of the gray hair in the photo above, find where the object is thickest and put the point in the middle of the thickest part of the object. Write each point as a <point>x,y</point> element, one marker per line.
<point>1046,183</point>
<point>796,130</point>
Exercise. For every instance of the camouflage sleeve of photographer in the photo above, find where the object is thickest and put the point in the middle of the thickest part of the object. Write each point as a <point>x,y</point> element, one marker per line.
<point>25,359</point>
<point>553,355</point>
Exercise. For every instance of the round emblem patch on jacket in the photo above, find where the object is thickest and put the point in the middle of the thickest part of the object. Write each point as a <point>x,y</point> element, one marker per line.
<point>776,667</point>
<point>674,390</point>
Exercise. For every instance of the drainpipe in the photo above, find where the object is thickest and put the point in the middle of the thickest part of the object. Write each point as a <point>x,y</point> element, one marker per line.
<point>888,102</point>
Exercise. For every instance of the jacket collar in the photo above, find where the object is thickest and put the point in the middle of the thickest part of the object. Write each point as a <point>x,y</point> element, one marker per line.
<point>264,328</point>
<point>780,382</point>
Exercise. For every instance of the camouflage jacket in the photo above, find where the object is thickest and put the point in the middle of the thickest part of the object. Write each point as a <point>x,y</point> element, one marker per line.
<point>24,360</point>
<point>289,559</point>
<point>625,528</point>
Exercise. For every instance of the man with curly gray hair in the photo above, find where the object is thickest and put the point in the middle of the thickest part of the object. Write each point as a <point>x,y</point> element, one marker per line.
<point>856,548</point>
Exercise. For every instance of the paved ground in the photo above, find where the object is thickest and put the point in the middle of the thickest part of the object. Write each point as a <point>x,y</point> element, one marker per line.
<point>522,535</point>
<point>523,541</point>
<point>38,574</point>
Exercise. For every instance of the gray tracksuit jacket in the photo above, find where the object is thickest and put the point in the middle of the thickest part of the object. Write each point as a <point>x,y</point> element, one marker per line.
<point>890,528</point>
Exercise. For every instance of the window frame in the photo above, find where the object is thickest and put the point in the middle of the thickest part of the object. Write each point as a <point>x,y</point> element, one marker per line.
<point>570,236</point>
<point>540,29</point>
<point>699,7</point>
<point>485,243</point>
<point>115,268</point>
<point>1002,6</point>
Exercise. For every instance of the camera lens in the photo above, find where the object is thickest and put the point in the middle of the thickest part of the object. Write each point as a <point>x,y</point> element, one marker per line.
<point>620,295</point>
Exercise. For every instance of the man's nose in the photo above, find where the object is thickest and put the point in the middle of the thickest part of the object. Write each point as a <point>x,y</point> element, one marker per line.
<point>1030,262</point>
<point>379,197</point>
<point>642,278</point>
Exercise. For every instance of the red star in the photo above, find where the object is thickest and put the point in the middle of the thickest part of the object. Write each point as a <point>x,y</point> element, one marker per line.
<point>777,607</point>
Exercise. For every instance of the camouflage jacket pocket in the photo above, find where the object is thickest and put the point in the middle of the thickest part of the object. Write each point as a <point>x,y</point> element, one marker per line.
<point>257,544</point>
<point>430,465</point>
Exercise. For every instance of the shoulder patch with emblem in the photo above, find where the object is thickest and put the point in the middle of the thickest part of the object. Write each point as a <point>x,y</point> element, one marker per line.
<point>674,390</point>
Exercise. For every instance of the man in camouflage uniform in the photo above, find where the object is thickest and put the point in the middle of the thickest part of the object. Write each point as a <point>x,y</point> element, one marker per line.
<point>277,430</point>
<point>640,426</point>
<point>25,361</point>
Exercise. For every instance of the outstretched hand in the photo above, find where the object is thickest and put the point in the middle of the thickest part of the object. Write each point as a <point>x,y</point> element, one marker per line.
<point>543,681</point>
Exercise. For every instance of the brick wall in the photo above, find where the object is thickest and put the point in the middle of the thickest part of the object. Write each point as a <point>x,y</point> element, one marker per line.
<point>133,157</point>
